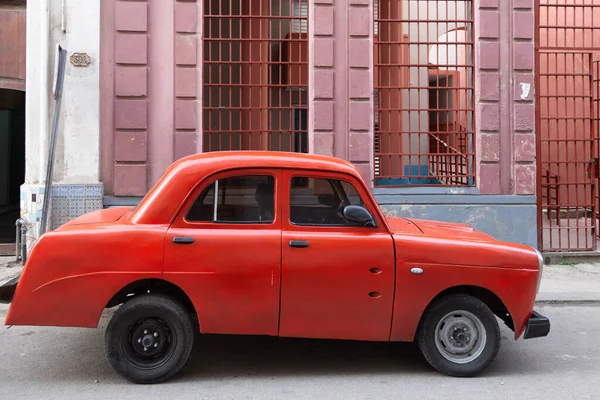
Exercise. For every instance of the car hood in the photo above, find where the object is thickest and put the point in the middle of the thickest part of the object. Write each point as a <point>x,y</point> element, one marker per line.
<point>440,229</point>
<point>424,242</point>
<point>104,216</point>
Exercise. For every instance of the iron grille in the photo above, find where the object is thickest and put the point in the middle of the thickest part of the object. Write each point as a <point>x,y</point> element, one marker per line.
<point>255,86</point>
<point>424,97</point>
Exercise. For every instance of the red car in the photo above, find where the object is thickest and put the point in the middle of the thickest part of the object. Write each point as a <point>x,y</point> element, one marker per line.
<point>280,244</point>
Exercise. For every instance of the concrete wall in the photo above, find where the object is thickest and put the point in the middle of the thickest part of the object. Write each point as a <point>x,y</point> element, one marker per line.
<point>75,25</point>
<point>508,218</point>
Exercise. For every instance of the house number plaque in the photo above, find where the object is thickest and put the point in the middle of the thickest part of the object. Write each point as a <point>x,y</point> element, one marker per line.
<point>81,59</point>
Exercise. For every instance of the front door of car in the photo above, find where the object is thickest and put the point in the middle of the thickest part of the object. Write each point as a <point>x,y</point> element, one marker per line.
<point>224,251</point>
<point>337,277</point>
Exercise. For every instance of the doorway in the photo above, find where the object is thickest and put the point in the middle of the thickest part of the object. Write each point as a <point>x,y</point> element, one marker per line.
<point>12,164</point>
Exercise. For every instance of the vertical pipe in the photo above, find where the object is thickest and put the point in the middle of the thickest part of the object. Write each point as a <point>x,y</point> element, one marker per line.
<point>60,68</point>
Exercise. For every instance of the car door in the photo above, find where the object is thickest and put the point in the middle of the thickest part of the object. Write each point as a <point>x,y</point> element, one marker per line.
<point>224,251</point>
<point>337,278</point>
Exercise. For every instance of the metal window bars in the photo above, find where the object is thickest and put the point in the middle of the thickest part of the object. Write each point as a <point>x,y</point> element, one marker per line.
<point>424,97</point>
<point>255,86</point>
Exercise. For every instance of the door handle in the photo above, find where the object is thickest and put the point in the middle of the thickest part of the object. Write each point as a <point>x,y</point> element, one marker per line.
<point>183,240</point>
<point>299,243</point>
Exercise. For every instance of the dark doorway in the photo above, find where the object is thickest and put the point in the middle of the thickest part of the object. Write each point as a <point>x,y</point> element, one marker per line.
<point>12,163</point>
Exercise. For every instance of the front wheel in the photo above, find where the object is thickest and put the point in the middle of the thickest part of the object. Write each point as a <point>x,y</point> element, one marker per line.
<point>459,336</point>
<point>149,339</point>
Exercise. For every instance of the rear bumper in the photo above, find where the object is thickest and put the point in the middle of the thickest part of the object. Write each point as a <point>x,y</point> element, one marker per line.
<point>537,326</point>
<point>7,290</point>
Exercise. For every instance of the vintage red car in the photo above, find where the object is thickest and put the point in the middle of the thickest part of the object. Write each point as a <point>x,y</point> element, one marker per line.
<point>280,244</point>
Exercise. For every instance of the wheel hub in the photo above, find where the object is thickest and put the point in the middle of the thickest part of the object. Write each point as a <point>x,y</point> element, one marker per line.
<point>460,337</point>
<point>149,338</point>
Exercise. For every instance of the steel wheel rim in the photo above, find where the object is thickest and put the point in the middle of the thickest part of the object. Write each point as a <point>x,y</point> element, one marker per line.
<point>460,337</point>
<point>159,347</point>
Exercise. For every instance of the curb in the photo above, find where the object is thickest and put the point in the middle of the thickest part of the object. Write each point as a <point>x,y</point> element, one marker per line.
<point>568,298</point>
<point>572,303</point>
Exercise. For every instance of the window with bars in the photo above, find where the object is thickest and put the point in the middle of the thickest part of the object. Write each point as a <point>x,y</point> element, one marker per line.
<point>424,97</point>
<point>255,86</point>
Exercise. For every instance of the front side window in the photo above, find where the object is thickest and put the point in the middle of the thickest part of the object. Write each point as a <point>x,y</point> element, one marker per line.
<point>240,199</point>
<point>322,201</point>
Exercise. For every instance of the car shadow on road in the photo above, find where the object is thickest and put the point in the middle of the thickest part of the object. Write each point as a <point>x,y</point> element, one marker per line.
<point>80,356</point>
<point>223,357</point>
<point>218,357</point>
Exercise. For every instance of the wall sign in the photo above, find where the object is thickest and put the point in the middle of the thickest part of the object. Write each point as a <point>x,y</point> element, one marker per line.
<point>81,59</point>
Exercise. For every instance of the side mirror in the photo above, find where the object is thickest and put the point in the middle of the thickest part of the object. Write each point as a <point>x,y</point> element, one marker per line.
<point>358,215</point>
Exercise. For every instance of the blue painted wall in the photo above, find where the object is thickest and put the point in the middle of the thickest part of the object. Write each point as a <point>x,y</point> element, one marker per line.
<point>507,218</point>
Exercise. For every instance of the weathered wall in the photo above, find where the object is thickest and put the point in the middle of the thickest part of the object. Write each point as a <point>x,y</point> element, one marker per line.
<point>505,97</point>
<point>508,218</point>
<point>151,90</point>
<point>76,27</point>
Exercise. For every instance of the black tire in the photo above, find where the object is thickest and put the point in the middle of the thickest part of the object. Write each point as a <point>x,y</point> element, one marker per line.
<point>157,321</point>
<point>463,308</point>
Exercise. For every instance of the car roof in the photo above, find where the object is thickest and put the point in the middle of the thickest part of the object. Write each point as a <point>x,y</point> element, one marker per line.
<point>267,159</point>
<point>180,178</point>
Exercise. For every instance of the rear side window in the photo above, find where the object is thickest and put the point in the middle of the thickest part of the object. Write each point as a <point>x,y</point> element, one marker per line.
<point>238,199</point>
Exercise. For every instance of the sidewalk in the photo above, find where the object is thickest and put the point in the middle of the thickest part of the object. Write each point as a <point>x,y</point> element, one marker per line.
<point>570,283</point>
<point>8,268</point>
<point>560,283</point>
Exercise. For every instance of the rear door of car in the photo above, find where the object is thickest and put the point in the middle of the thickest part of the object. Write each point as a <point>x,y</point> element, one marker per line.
<point>224,251</point>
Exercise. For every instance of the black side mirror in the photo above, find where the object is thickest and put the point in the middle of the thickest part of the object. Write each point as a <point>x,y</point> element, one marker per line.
<point>358,215</point>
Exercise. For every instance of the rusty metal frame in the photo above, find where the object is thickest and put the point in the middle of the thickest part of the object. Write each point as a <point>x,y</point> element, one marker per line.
<point>442,151</point>
<point>255,71</point>
<point>548,181</point>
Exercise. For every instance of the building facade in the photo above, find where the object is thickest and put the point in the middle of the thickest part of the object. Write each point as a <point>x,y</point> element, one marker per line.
<point>432,100</point>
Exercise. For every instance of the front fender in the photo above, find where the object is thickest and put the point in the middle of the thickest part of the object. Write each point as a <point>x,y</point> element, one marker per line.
<point>516,288</point>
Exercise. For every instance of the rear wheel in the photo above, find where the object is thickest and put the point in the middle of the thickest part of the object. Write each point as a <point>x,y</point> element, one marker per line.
<point>149,339</point>
<point>459,336</point>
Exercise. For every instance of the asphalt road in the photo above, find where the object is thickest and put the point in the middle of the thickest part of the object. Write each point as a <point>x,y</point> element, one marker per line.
<point>57,363</point>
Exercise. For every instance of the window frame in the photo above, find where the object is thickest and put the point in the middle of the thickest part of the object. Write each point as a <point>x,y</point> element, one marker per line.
<point>181,220</point>
<point>286,187</point>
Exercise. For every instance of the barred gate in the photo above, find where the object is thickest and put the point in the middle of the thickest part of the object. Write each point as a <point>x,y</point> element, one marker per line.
<point>567,54</point>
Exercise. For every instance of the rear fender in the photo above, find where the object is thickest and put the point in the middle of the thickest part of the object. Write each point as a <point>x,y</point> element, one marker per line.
<point>71,275</point>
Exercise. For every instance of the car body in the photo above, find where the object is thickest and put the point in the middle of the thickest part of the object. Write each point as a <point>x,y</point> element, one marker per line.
<point>279,244</point>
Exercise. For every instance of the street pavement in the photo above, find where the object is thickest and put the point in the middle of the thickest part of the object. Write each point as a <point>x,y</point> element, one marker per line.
<point>59,363</point>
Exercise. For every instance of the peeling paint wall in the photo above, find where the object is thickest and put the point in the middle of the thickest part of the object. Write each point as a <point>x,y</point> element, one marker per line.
<point>75,25</point>
<point>507,218</point>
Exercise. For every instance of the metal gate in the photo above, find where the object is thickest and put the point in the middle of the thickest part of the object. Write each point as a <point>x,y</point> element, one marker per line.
<point>567,50</point>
